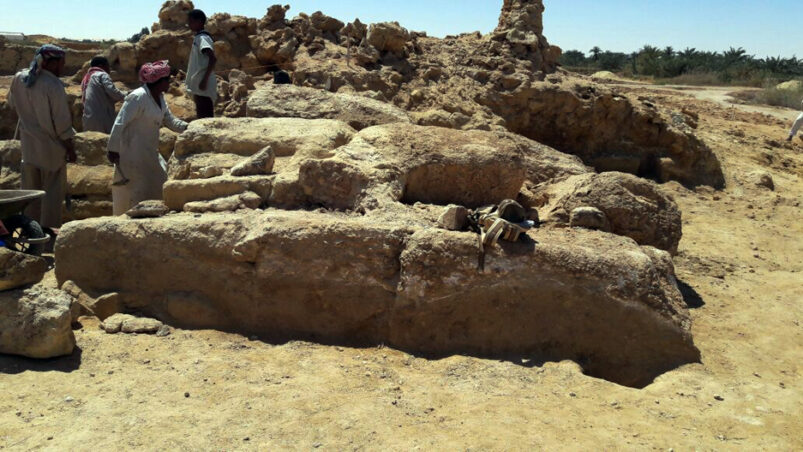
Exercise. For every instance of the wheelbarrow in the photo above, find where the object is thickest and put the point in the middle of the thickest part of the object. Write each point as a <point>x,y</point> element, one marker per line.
<point>18,232</point>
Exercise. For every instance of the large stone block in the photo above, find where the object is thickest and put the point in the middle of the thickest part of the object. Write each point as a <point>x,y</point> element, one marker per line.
<point>603,301</point>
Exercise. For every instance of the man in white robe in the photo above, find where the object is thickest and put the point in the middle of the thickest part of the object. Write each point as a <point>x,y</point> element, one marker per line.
<point>46,132</point>
<point>140,171</point>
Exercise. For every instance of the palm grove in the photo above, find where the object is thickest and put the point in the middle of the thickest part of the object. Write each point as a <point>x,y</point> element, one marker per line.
<point>733,66</point>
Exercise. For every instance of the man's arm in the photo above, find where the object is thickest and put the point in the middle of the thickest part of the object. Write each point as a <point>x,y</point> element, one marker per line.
<point>62,120</point>
<point>112,91</point>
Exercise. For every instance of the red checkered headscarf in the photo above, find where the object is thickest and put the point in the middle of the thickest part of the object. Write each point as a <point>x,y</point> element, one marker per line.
<point>153,72</point>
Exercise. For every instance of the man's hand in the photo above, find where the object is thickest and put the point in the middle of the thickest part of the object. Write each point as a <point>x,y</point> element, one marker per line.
<point>113,157</point>
<point>69,145</point>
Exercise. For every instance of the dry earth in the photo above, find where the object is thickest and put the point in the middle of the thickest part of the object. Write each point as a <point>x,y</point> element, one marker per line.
<point>740,263</point>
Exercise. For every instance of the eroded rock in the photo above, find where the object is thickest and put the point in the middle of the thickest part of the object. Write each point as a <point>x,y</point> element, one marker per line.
<point>288,101</point>
<point>129,324</point>
<point>149,209</point>
<point>567,293</point>
<point>634,207</point>
<point>19,269</point>
<point>260,163</point>
<point>36,323</point>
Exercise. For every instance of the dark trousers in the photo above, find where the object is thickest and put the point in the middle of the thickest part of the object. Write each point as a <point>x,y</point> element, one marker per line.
<point>204,107</point>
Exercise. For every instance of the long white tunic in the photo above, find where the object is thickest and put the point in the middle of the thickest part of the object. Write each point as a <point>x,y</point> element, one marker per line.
<point>45,120</point>
<point>101,95</point>
<point>135,137</point>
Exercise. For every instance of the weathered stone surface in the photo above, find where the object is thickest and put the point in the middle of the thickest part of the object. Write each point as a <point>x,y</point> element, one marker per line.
<point>89,180</point>
<point>260,163</point>
<point>246,200</point>
<point>10,161</point>
<point>177,193</point>
<point>173,15</point>
<point>634,207</point>
<point>102,307</point>
<point>589,218</point>
<point>761,179</point>
<point>36,323</point>
<point>18,269</point>
<point>90,147</point>
<point>288,101</point>
<point>566,293</point>
<point>247,136</point>
<point>409,163</point>
<point>149,209</point>
<point>128,324</point>
<point>388,37</point>
<point>453,218</point>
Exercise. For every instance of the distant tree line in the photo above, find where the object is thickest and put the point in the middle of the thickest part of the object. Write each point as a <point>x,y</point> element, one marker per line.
<point>732,65</point>
<point>137,36</point>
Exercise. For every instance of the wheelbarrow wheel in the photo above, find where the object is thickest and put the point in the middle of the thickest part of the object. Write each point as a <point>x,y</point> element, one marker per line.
<point>22,227</point>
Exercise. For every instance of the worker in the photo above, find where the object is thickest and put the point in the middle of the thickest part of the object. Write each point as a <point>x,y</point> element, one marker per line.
<point>796,127</point>
<point>46,133</point>
<point>201,80</point>
<point>140,171</point>
<point>99,95</point>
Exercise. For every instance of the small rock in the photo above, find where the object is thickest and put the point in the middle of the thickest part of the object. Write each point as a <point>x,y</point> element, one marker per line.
<point>69,399</point>
<point>131,325</point>
<point>453,218</point>
<point>106,305</point>
<point>260,163</point>
<point>148,209</point>
<point>761,179</point>
<point>589,218</point>
<point>719,397</point>
<point>187,395</point>
<point>164,330</point>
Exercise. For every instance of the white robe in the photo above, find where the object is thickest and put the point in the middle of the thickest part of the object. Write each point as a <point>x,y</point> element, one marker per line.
<point>135,137</point>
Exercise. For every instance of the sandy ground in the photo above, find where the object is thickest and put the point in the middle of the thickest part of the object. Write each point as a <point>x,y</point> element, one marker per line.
<point>740,265</point>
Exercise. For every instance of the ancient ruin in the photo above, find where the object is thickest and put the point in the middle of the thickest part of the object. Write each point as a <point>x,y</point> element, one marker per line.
<point>312,210</point>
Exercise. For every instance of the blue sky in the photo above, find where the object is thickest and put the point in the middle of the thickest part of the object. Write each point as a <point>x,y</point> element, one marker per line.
<point>769,27</point>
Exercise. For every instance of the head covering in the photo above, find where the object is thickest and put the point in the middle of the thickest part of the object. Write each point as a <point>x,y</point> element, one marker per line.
<point>153,72</point>
<point>85,82</point>
<point>46,52</point>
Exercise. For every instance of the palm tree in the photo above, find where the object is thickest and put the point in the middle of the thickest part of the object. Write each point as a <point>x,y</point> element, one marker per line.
<point>669,51</point>
<point>595,51</point>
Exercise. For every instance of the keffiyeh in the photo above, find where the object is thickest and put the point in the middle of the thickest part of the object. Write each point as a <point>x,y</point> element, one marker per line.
<point>153,72</point>
<point>46,52</point>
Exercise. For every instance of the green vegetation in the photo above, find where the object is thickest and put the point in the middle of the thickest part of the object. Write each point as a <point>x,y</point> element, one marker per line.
<point>772,96</point>
<point>690,66</point>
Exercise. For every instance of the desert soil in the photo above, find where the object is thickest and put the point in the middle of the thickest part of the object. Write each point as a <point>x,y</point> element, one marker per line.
<point>740,265</point>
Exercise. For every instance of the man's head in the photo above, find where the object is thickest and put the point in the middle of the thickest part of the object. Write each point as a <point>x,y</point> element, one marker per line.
<point>101,62</point>
<point>196,19</point>
<point>156,76</point>
<point>54,65</point>
<point>49,57</point>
